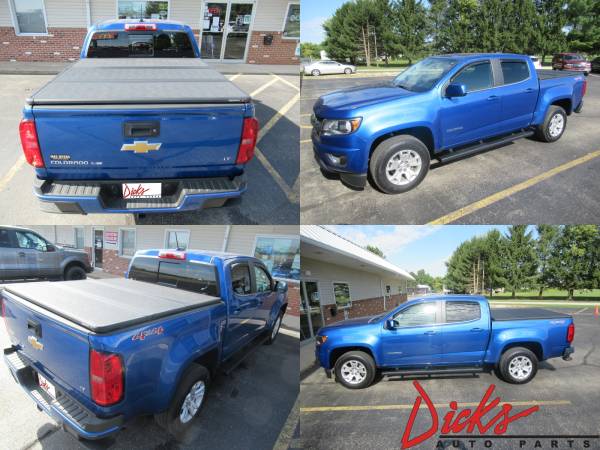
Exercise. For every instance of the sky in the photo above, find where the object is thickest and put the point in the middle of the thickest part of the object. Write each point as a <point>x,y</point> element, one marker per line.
<point>312,15</point>
<point>414,247</point>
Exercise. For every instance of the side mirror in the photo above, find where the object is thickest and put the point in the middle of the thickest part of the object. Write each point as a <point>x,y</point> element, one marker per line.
<point>392,324</point>
<point>456,90</point>
<point>50,248</point>
<point>280,286</point>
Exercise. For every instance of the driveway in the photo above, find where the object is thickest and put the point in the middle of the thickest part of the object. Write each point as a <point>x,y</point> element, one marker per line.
<point>566,392</point>
<point>523,182</point>
<point>273,189</point>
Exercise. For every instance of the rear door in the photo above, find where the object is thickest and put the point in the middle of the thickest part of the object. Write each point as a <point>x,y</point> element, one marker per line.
<point>8,254</point>
<point>60,349</point>
<point>476,115</point>
<point>417,341</point>
<point>465,333</point>
<point>518,93</point>
<point>28,247</point>
<point>132,142</point>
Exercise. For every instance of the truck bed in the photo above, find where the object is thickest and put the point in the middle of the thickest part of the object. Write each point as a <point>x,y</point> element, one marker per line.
<point>548,74</point>
<point>103,306</point>
<point>503,314</point>
<point>123,81</point>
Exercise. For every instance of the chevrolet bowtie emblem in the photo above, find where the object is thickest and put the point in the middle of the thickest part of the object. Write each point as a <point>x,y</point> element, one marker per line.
<point>140,147</point>
<point>35,343</point>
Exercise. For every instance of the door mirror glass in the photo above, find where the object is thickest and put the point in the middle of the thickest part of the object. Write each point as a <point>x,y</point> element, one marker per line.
<point>280,286</point>
<point>50,248</point>
<point>456,90</point>
<point>392,324</point>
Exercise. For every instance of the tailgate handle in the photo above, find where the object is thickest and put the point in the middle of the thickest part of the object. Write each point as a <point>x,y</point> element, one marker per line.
<point>35,326</point>
<point>141,129</point>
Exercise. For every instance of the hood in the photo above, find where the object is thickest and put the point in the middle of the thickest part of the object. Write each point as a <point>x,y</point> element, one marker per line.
<point>346,100</point>
<point>72,251</point>
<point>350,323</point>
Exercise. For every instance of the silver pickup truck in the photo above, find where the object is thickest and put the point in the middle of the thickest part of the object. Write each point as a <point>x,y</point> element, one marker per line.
<point>25,254</point>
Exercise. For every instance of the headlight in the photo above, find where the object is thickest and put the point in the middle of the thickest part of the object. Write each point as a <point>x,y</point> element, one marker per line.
<point>337,127</point>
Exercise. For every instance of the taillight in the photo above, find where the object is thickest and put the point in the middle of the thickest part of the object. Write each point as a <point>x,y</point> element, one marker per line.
<point>249,136</point>
<point>584,90</point>
<point>171,255</point>
<point>570,333</point>
<point>106,378</point>
<point>140,27</point>
<point>30,144</point>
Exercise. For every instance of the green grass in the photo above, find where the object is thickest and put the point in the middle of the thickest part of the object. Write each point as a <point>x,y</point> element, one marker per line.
<point>552,294</point>
<point>395,64</point>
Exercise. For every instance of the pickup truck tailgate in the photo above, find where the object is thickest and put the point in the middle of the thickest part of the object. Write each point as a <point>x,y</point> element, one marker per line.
<point>59,351</point>
<point>138,118</point>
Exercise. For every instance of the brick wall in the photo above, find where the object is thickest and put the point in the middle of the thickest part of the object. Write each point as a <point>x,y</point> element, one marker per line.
<point>281,51</point>
<point>365,307</point>
<point>293,299</point>
<point>111,261</point>
<point>61,44</point>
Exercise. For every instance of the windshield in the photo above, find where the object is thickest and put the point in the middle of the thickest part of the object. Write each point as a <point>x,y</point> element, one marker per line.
<point>424,75</point>
<point>157,44</point>
<point>574,57</point>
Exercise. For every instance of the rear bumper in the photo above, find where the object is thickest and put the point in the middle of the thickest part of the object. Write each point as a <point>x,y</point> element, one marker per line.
<point>567,352</point>
<point>84,197</point>
<point>74,417</point>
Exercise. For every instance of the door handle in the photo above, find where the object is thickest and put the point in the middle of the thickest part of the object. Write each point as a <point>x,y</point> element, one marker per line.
<point>476,330</point>
<point>529,90</point>
<point>491,98</point>
<point>22,254</point>
<point>141,129</point>
<point>430,332</point>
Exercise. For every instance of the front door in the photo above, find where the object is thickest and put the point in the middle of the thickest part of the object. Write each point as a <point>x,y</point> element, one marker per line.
<point>225,30</point>
<point>8,254</point>
<point>476,115</point>
<point>311,318</point>
<point>98,248</point>
<point>265,295</point>
<point>417,339</point>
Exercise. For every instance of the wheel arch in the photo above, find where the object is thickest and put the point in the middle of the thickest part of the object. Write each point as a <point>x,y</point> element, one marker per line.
<point>421,132</point>
<point>72,263</point>
<point>335,354</point>
<point>533,346</point>
<point>564,103</point>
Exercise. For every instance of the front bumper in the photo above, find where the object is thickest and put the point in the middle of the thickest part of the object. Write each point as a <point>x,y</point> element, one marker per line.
<point>340,160</point>
<point>83,197</point>
<point>567,352</point>
<point>74,417</point>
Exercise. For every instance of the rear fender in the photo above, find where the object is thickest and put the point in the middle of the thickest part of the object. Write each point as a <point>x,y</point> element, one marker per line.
<point>563,94</point>
<point>512,338</point>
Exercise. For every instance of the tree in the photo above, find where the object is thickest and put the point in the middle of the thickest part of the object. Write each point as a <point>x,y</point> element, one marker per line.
<point>551,19</point>
<point>574,263</point>
<point>583,20</point>
<point>436,15</point>
<point>520,259</point>
<point>459,32</point>
<point>376,250</point>
<point>310,50</point>
<point>409,28</point>
<point>422,277</point>
<point>544,247</point>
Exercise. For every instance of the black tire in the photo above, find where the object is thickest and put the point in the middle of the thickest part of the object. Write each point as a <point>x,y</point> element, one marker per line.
<point>543,131</point>
<point>75,273</point>
<point>274,331</point>
<point>347,71</point>
<point>508,357</point>
<point>363,358</point>
<point>386,150</point>
<point>315,73</point>
<point>170,419</point>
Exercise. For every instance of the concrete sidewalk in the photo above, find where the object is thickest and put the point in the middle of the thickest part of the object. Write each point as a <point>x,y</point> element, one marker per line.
<point>51,68</point>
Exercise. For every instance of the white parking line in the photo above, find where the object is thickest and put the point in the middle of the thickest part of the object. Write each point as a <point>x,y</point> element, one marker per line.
<point>581,310</point>
<point>12,172</point>
<point>291,195</point>
<point>289,83</point>
<point>235,76</point>
<point>291,333</point>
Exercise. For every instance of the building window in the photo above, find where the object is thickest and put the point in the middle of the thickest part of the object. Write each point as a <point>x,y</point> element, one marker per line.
<point>126,242</point>
<point>291,26</point>
<point>341,292</point>
<point>178,239</point>
<point>30,16</point>
<point>79,239</point>
<point>143,9</point>
<point>280,254</point>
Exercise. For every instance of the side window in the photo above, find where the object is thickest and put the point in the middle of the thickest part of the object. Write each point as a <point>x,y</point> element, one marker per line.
<point>462,311</point>
<point>6,238</point>
<point>475,77</point>
<point>514,71</point>
<point>240,279</point>
<point>31,241</point>
<point>418,315</point>
<point>263,281</point>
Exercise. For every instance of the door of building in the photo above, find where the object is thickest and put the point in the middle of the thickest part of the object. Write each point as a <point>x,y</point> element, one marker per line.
<point>98,247</point>
<point>311,316</point>
<point>226,29</point>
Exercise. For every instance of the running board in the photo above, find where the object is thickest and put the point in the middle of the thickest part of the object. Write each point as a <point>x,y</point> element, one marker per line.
<point>412,372</point>
<point>453,155</point>
<point>238,357</point>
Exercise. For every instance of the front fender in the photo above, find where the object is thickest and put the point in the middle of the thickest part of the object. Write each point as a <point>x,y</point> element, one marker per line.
<point>367,341</point>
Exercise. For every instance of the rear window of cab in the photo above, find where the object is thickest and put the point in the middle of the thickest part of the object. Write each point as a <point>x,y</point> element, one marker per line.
<point>146,44</point>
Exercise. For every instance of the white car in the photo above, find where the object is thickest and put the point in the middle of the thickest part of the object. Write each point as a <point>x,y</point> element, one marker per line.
<point>317,68</point>
<point>536,62</point>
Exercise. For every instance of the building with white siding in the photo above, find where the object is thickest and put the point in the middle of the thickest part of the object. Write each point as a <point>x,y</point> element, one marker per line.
<point>111,247</point>
<point>251,31</point>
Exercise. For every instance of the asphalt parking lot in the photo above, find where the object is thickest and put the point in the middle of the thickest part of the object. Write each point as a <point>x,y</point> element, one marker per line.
<point>273,190</point>
<point>567,393</point>
<point>523,182</point>
<point>246,409</point>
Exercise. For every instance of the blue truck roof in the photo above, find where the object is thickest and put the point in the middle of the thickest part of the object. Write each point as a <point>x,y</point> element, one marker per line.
<point>119,24</point>
<point>194,255</point>
<point>449,297</point>
<point>469,56</point>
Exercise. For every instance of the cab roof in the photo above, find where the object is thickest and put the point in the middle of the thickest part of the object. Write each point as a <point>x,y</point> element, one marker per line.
<point>194,255</point>
<point>449,297</point>
<point>470,56</point>
<point>119,24</point>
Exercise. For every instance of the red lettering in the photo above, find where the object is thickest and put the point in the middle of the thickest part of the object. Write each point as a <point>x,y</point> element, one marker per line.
<point>134,192</point>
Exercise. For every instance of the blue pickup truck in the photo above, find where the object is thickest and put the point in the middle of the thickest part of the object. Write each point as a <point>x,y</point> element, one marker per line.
<point>437,335</point>
<point>140,124</point>
<point>445,107</point>
<point>96,353</point>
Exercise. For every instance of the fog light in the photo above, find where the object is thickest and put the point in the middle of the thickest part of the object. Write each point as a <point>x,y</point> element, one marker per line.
<point>337,160</point>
